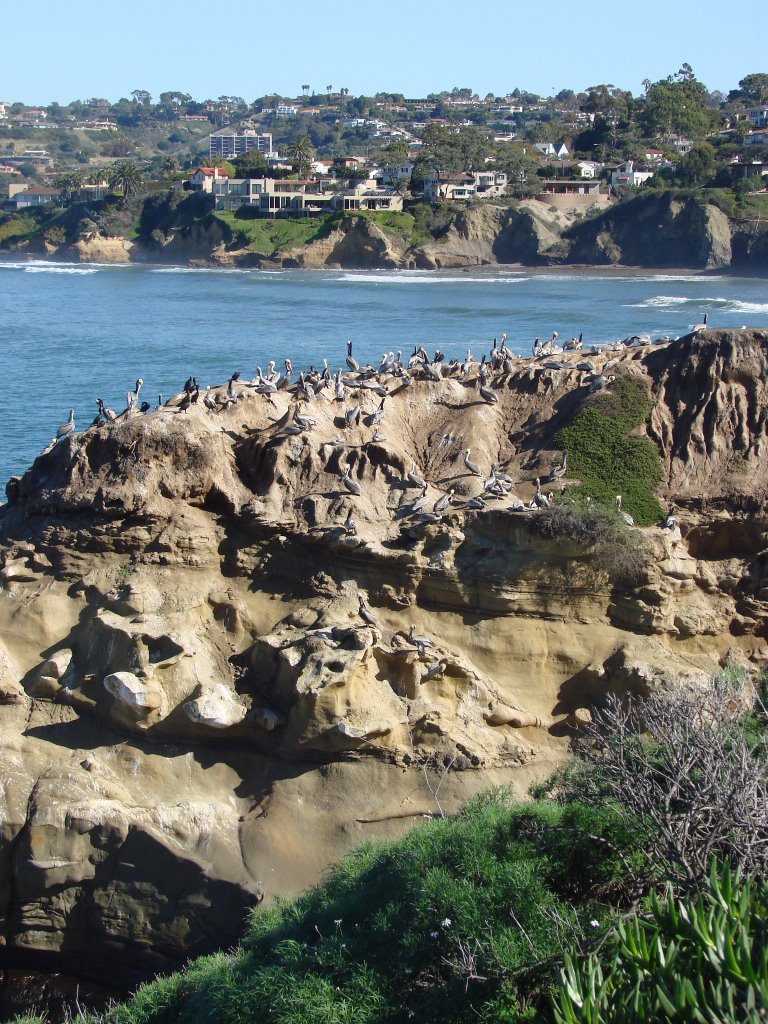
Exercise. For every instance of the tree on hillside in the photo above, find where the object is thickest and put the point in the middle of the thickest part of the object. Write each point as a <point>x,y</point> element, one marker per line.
<point>301,153</point>
<point>395,153</point>
<point>697,166</point>
<point>753,90</point>
<point>126,177</point>
<point>69,184</point>
<point>141,97</point>
<point>676,105</point>
<point>250,164</point>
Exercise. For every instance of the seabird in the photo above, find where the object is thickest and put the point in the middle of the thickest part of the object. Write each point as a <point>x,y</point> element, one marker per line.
<point>352,485</point>
<point>473,468</point>
<point>66,428</point>
<point>413,478</point>
<point>351,362</point>
<point>421,502</point>
<point>352,416</point>
<point>419,641</point>
<point>132,397</point>
<point>489,396</point>
<point>624,515</point>
<point>442,503</point>
<point>365,613</point>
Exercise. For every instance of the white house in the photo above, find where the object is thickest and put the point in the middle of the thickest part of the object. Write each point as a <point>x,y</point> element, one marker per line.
<point>558,150</point>
<point>589,168</point>
<point>625,174</point>
<point>757,115</point>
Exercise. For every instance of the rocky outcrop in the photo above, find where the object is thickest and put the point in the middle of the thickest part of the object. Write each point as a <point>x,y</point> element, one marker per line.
<point>654,231</point>
<point>210,685</point>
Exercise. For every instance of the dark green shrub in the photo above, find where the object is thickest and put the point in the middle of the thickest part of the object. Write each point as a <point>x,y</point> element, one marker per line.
<point>607,457</point>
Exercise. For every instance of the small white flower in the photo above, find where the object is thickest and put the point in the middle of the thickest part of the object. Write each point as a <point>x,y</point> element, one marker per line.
<point>446,923</point>
<point>594,924</point>
<point>434,935</point>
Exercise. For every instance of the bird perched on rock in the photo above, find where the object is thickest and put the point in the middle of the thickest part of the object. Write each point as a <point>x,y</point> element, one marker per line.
<point>132,397</point>
<point>473,467</point>
<point>352,363</point>
<point>66,428</point>
<point>366,614</point>
<point>486,394</point>
<point>421,642</point>
<point>352,485</point>
<point>414,479</point>
<point>442,503</point>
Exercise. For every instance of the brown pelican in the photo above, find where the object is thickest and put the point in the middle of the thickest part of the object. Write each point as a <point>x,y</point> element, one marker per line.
<point>351,362</point>
<point>473,468</point>
<point>485,393</point>
<point>365,613</point>
<point>421,502</point>
<point>352,416</point>
<point>378,415</point>
<point>422,642</point>
<point>305,422</point>
<point>352,485</point>
<point>558,472</point>
<point>159,403</point>
<point>285,380</point>
<point>339,391</point>
<point>413,478</point>
<point>442,503</point>
<point>349,524</point>
<point>436,669</point>
<point>132,397</point>
<point>66,428</point>
<point>475,503</point>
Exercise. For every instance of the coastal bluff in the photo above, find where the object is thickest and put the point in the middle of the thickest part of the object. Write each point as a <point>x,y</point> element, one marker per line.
<point>230,648</point>
<point>652,230</point>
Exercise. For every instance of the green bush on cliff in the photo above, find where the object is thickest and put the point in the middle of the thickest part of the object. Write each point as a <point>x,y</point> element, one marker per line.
<point>607,458</point>
<point>461,920</point>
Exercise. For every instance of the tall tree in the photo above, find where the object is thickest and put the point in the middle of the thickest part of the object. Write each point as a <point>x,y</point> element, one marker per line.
<point>126,177</point>
<point>142,98</point>
<point>676,105</point>
<point>300,153</point>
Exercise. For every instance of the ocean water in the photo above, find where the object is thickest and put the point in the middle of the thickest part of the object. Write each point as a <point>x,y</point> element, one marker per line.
<point>70,333</point>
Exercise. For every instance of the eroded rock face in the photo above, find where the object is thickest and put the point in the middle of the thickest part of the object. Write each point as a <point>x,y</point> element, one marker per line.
<point>196,710</point>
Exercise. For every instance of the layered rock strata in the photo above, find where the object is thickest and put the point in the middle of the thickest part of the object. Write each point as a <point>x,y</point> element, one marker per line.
<point>209,682</point>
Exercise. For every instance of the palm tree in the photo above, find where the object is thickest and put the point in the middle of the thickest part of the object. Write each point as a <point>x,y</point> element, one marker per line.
<point>69,184</point>
<point>330,90</point>
<point>126,177</point>
<point>305,89</point>
<point>300,153</point>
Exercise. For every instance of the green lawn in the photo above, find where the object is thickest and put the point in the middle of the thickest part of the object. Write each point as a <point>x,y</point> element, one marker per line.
<point>265,236</point>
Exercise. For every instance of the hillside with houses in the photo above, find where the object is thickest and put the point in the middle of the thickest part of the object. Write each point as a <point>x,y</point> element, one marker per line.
<point>82,172</point>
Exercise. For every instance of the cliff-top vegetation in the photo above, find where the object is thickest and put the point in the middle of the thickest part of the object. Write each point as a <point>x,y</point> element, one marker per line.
<point>629,889</point>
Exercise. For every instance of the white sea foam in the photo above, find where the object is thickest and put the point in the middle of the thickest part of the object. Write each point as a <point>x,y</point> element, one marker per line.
<point>199,270</point>
<point>661,301</point>
<point>425,277</point>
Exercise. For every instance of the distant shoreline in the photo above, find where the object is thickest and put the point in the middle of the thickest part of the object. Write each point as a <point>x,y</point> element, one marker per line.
<point>576,269</point>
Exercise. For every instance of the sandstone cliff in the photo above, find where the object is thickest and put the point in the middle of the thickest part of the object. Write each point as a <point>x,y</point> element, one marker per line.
<point>196,716</point>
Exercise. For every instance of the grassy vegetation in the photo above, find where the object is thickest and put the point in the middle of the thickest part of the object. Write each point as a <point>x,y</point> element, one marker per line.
<point>461,920</point>
<point>13,229</point>
<point>265,236</point>
<point>509,913</point>
<point>607,457</point>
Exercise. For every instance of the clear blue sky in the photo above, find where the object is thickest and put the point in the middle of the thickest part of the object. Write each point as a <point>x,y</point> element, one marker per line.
<point>210,49</point>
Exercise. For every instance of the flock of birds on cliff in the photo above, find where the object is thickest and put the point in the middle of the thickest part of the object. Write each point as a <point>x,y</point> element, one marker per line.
<point>392,375</point>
